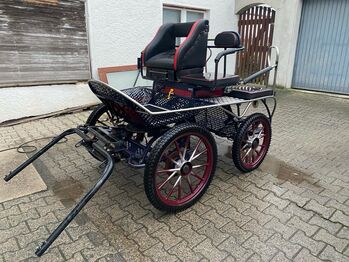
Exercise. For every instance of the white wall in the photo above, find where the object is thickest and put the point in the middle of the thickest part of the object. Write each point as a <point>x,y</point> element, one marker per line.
<point>287,19</point>
<point>119,30</point>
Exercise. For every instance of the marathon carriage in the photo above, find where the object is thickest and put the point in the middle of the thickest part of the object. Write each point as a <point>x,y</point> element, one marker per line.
<point>167,128</point>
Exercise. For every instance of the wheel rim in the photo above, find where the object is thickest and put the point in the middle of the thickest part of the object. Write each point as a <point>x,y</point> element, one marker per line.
<point>184,169</point>
<point>255,143</point>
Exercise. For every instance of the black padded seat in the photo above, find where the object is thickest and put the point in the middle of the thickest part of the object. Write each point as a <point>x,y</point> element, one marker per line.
<point>162,60</point>
<point>207,80</point>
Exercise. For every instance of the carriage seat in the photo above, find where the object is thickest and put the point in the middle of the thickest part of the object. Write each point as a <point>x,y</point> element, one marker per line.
<point>226,39</point>
<point>164,61</point>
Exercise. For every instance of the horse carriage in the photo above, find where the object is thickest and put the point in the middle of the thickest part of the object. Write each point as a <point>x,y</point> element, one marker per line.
<point>168,128</point>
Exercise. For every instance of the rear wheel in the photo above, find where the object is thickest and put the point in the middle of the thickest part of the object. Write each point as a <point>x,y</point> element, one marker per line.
<point>252,142</point>
<point>180,167</point>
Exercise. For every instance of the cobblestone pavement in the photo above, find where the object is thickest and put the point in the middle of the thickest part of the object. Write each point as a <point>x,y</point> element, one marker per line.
<point>295,207</point>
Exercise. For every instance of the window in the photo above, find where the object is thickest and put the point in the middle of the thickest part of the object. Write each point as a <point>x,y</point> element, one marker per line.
<point>177,14</point>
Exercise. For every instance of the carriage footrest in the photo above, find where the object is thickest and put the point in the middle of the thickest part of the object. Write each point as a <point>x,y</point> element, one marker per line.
<point>248,92</point>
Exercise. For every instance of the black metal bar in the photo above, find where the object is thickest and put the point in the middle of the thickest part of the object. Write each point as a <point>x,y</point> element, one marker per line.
<point>38,154</point>
<point>258,74</point>
<point>105,175</point>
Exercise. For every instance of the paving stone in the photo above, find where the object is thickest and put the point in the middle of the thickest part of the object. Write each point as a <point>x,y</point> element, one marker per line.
<point>240,206</point>
<point>279,202</point>
<point>191,217</point>
<point>314,246</point>
<point>258,192</point>
<point>14,210</point>
<point>211,232</point>
<point>259,216</point>
<point>305,256</point>
<point>285,246</point>
<point>190,235</point>
<point>104,249</point>
<point>167,238</point>
<point>284,230</point>
<point>293,209</point>
<point>280,257</point>
<point>335,204</point>
<point>279,214</point>
<point>329,253</point>
<point>35,223</point>
<point>216,218</point>
<point>320,209</point>
<point>4,223</point>
<point>344,233</point>
<point>10,245</point>
<point>324,223</point>
<point>338,243</point>
<point>340,217</point>
<point>238,218</point>
<point>262,232</point>
<point>259,204</point>
<point>13,231</point>
<point>295,197</point>
<point>232,246</point>
<point>185,253</point>
<point>298,223</point>
<point>265,251</point>
<point>210,251</point>
<point>69,249</point>
<point>158,253</point>
<point>143,239</point>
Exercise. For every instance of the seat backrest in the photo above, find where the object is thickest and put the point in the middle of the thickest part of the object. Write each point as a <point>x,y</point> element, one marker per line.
<point>192,51</point>
<point>228,39</point>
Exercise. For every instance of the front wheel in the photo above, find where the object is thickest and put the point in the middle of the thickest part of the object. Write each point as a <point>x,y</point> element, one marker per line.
<point>252,142</point>
<point>180,167</point>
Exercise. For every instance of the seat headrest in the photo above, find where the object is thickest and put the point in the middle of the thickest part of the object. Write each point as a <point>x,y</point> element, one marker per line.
<point>228,39</point>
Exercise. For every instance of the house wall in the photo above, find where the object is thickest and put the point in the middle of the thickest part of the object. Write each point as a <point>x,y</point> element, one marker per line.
<point>119,30</point>
<point>287,19</point>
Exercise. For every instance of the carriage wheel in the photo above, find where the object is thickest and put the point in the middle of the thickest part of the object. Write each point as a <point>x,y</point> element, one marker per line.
<point>252,142</point>
<point>101,116</point>
<point>180,167</point>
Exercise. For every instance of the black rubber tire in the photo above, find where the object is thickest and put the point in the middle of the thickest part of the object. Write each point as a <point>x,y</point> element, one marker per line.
<point>154,157</point>
<point>92,121</point>
<point>239,139</point>
<point>96,114</point>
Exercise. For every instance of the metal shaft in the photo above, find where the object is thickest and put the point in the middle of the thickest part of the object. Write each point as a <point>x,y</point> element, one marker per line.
<point>38,154</point>
<point>106,174</point>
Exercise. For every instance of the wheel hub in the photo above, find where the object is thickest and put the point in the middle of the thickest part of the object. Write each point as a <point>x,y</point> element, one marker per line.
<point>255,143</point>
<point>186,168</point>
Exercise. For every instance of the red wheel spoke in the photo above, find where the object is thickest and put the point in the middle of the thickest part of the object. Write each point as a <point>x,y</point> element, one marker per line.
<point>198,177</point>
<point>167,179</point>
<point>189,183</point>
<point>178,150</point>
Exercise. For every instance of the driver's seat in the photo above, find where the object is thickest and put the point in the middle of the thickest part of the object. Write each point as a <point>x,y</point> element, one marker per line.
<point>163,61</point>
